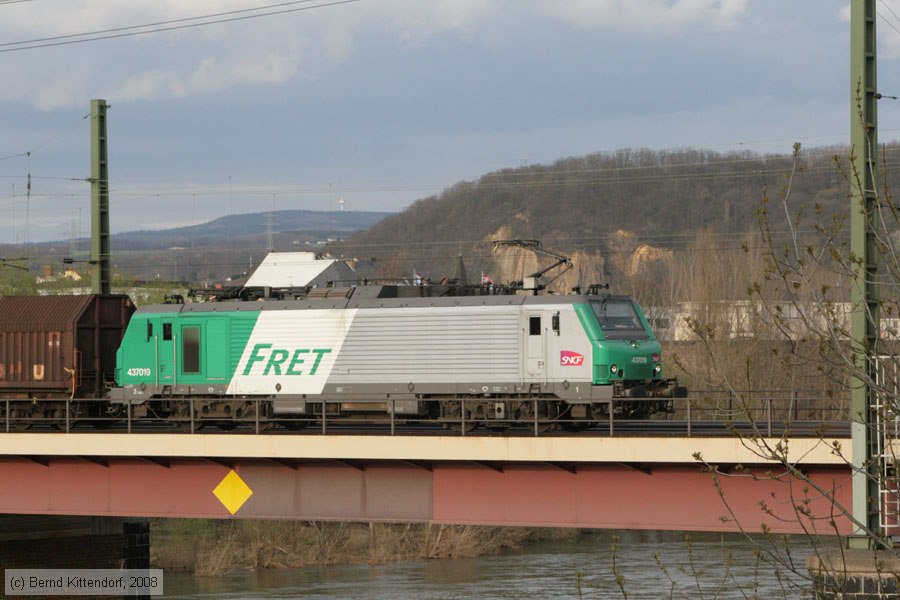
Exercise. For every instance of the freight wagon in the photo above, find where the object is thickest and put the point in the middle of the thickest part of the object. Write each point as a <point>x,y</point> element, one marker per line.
<point>60,346</point>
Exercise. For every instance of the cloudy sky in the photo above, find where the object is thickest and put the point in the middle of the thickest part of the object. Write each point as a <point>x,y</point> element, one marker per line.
<point>386,101</point>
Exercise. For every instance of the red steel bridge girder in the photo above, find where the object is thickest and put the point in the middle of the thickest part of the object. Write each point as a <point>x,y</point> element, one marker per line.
<point>590,495</point>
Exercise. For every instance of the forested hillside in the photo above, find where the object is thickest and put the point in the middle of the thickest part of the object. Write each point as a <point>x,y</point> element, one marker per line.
<point>641,220</point>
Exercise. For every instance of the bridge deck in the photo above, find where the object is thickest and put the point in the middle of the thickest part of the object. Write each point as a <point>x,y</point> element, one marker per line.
<point>642,450</point>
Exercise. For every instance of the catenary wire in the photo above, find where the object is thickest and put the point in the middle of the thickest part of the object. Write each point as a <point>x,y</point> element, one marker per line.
<point>47,142</point>
<point>176,27</point>
<point>155,24</point>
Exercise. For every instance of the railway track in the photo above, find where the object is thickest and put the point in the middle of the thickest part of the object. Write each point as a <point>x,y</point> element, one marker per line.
<point>616,428</point>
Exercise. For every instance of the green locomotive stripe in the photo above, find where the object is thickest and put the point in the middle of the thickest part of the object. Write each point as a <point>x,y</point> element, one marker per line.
<point>242,326</point>
<point>589,322</point>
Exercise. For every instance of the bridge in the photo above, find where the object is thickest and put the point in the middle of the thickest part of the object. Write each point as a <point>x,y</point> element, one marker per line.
<point>657,482</point>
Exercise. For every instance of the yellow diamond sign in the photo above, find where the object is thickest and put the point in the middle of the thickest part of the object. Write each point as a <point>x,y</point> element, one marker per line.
<point>232,492</point>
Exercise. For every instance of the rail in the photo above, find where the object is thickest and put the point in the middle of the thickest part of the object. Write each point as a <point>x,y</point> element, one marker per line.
<point>706,413</point>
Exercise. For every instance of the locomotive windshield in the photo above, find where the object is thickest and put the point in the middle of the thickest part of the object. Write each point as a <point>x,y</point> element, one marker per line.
<point>618,319</point>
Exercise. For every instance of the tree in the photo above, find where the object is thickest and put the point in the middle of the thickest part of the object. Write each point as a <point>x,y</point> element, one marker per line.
<point>15,280</point>
<point>803,298</point>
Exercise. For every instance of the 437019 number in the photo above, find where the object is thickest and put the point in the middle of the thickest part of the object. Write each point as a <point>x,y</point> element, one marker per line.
<point>138,372</point>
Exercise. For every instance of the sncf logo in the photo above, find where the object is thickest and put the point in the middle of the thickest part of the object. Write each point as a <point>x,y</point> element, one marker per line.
<point>567,358</point>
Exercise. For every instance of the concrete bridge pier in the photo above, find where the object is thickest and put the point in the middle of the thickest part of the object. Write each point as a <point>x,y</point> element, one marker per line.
<point>855,575</point>
<point>73,542</point>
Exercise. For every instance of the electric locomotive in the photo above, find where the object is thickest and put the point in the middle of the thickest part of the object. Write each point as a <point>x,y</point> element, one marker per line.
<point>425,352</point>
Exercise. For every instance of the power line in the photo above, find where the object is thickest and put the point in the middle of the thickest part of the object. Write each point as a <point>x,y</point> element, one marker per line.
<point>46,142</point>
<point>612,176</point>
<point>108,34</point>
<point>156,24</point>
<point>424,258</point>
<point>885,19</point>
<point>501,174</point>
<point>659,174</point>
<point>613,179</point>
<point>125,195</point>
<point>537,171</point>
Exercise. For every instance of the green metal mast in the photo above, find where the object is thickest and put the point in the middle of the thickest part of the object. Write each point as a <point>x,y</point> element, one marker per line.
<point>99,199</point>
<point>864,295</point>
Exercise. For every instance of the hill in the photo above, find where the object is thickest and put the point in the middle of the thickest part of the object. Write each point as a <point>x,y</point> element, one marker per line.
<point>660,225</point>
<point>300,225</point>
<point>623,216</point>
<point>225,247</point>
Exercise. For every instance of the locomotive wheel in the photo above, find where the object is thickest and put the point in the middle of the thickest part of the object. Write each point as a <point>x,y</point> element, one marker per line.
<point>459,427</point>
<point>226,425</point>
<point>574,427</point>
<point>183,425</point>
<point>19,425</point>
<point>525,416</point>
<point>293,425</point>
<point>451,413</point>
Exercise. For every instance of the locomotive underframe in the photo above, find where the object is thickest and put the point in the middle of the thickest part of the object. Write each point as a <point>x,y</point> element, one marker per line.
<point>486,402</point>
<point>466,410</point>
<point>566,391</point>
<point>564,403</point>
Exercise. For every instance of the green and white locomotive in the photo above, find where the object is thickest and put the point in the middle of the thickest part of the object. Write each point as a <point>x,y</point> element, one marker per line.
<point>424,352</point>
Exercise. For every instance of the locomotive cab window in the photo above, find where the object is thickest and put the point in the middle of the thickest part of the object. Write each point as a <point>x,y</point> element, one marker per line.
<point>534,326</point>
<point>167,332</point>
<point>190,349</point>
<point>618,319</point>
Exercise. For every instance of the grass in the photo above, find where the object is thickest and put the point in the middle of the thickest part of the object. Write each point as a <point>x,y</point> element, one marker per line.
<point>211,547</point>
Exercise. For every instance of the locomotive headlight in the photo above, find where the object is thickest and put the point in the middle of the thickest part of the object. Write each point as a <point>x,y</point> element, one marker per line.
<point>657,369</point>
<point>614,369</point>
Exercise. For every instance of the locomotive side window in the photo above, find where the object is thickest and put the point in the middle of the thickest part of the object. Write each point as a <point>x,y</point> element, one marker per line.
<point>534,326</point>
<point>167,332</point>
<point>190,349</point>
<point>149,330</point>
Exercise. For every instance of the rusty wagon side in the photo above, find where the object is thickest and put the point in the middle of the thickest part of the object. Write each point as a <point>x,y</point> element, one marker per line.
<point>60,346</point>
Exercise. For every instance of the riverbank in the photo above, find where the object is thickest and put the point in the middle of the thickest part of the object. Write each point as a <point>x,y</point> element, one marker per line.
<point>212,547</point>
<point>592,564</point>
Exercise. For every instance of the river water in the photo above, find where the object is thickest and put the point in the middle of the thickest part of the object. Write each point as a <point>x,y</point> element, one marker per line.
<point>648,565</point>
